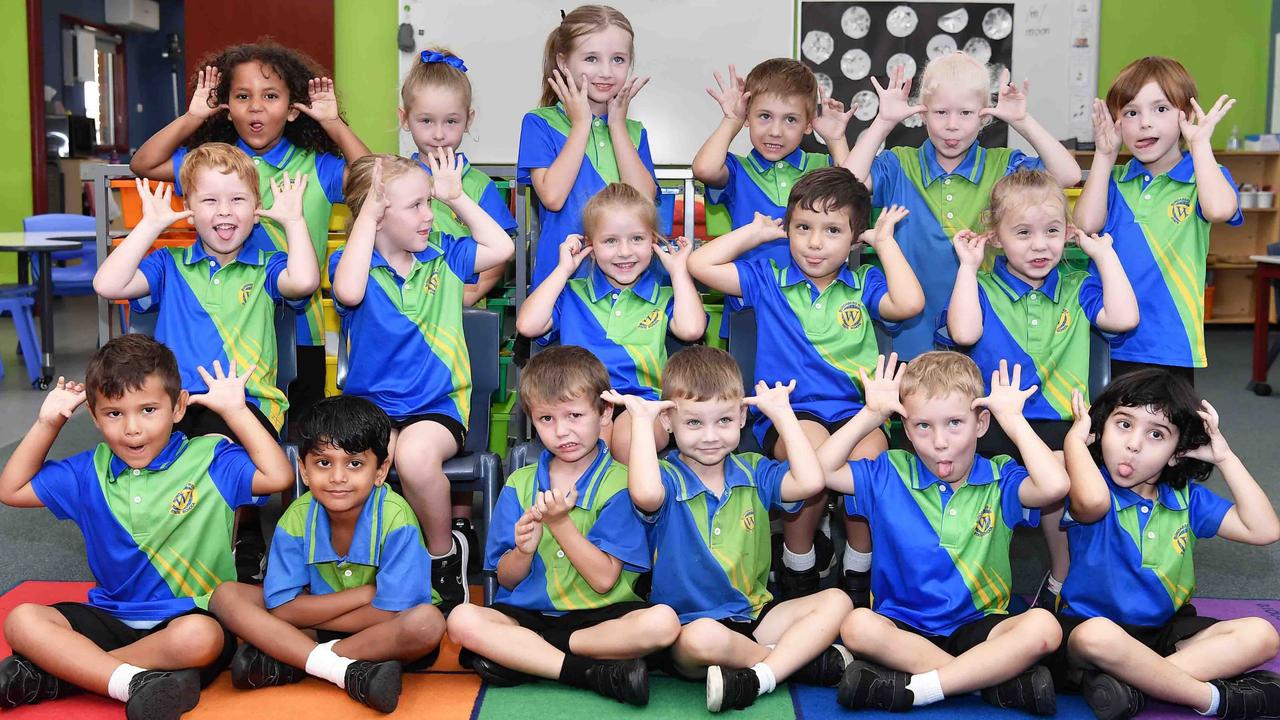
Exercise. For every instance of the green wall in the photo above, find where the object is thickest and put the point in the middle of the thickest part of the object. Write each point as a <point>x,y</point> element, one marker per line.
<point>15,127</point>
<point>1226,52</point>
<point>366,71</point>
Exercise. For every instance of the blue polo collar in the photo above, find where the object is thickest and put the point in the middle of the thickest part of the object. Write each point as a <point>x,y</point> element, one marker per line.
<point>793,275</point>
<point>276,157</point>
<point>1127,498</point>
<point>1017,288</point>
<point>195,253</point>
<point>167,456</point>
<point>603,118</point>
<point>1183,172</point>
<point>970,168</point>
<point>796,160</point>
<point>466,164</point>
<point>646,286</point>
<point>691,486</point>
<point>364,548</point>
<point>587,485</point>
<point>431,252</point>
<point>980,473</point>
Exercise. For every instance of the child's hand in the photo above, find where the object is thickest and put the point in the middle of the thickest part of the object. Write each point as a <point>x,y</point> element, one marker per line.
<point>573,251</point>
<point>832,119</point>
<point>204,100</point>
<point>1011,104</point>
<point>1081,426</point>
<point>1201,129</point>
<point>765,228</point>
<point>881,394</point>
<point>446,175</point>
<point>772,401</point>
<point>61,402</point>
<point>970,248</point>
<point>375,201</point>
<point>1093,245</point>
<point>324,101</point>
<point>1216,450</point>
<point>895,100</point>
<point>554,506</point>
<point>621,101</point>
<point>1106,131</point>
<point>733,97</point>
<point>637,406</point>
<point>674,254</point>
<point>157,208</point>
<point>1005,398</point>
<point>226,392</point>
<point>890,217</point>
<point>528,533</point>
<point>287,205</point>
<point>572,95</point>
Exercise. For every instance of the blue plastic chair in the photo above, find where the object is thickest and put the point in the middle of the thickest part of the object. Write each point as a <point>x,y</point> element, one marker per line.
<point>18,305</point>
<point>76,279</point>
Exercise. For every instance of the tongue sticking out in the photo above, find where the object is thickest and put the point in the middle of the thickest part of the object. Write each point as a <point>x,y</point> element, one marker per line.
<point>224,232</point>
<point>944,468</point>
<point>1124,470</point>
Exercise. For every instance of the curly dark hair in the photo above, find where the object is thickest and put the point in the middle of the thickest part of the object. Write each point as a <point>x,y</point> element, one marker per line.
<point>296,67</point>
<point>1163,392</point>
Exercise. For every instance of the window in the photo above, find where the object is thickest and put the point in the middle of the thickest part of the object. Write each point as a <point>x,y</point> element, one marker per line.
<point>100,80</point>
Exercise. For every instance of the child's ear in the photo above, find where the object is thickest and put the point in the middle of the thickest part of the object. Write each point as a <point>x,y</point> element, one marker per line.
<point>180,407</point>
<point>404,119</point>
<point>471,117</point>
<point>993,239</point>
<point>383,469</point>
<point>293,114</point>
<point>665,418</point>
<point>302,470</point>
<point>984,421</point>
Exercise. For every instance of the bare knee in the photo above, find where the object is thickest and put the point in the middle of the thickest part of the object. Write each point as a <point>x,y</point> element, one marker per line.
<point>195,638</point>
<point>864,628</point>
<point>703,640</point>
<point>22,624</point>
<point>421,626</point>
<point>230,595</point>
<point>835,602</point>
<point>1256,635</point>
<point>659,626</point>
<point>464,624</point>
<point>1095,639</point>
<point>1041,629</point>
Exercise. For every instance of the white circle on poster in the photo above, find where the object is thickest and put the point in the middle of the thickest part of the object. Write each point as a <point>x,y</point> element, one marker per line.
<point>856,22</point>
<point>868,105</point>
<point>855,64</point>
<point>997,23</point>
<point>939,45</point>
<point>914,121</point>
<point>824,83</point>
<point>817,46</point>
<point>954,21</point>
<point>902,21</point>
<point>900,60</point>
<point>979,49</point>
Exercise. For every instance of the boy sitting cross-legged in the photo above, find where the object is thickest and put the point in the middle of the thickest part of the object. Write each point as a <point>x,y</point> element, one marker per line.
<point>347,564</point>
<point>709,511</point>
<point>155,509</point>
<point>567,546</point>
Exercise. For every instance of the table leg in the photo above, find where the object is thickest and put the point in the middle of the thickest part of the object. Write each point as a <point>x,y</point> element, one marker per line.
<point>1262,278</point>
<point>23,274</point>
<point>46,316</point>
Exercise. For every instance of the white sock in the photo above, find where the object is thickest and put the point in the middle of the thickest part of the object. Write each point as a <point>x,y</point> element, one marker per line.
<point>799,562</point>
<point>1054,585</point>
<point>1213,704</point>
<point>326,664</point>
<point>926,688</point>
<point>764,674</point>
<point>856,561</point>
<point>118,684</point>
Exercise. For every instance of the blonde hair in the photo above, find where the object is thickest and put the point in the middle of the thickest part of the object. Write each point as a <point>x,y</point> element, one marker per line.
<point>616,196</point>
<point>1172,77</point>
<point>1020,190</point>
<point>580,22</point>
<point>562,374</point>
<point>360,177</point>
<point>939,373</point>
<point>702,373</point>
<point>435,75</point>
<point>784,78</point>
<point>223,158</point>
<point>957,71</point>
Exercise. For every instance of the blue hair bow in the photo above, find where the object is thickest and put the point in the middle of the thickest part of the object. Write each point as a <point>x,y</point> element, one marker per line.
<point>431,56</point>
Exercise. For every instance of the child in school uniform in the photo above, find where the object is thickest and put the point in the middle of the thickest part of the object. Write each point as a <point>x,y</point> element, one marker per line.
<point>567,546</point>
<point>946,182</point>
<point>155,508</point>
<point>1159,207</point>
<point>621,312</point>
<point>581,139</point>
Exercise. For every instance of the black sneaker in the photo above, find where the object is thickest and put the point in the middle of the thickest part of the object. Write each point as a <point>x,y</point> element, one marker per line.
<point>1031,691</point>
<point>1045,598</point>
<point>251,556</point>
<point>775,556</point>
<point>1111,699</point>
<point>731,688</point>
<point>464,526</point>
<point>162,694</point>
<point>376,684</point>
<point>22,682</point>
<point>794,584</point>
<point>865,685</point>
<point>824,554</point>
<point>826,669</point>
<point>857,585</point>
<point>491,672</point>
<point>1254,694</point>
<point>625,681</point>
<point>252,669</point>
<point>449,575</point>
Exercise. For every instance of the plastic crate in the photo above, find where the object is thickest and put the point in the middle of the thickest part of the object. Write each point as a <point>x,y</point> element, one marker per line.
<point>714,314</point>
<point>500,424</point>
<point>331,376</point>
<point>131,207</point>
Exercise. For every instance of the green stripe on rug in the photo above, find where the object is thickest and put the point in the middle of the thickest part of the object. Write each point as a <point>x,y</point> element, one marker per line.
<point>668,699</point>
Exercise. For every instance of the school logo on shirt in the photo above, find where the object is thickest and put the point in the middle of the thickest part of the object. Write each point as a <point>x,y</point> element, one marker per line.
<point>184,500</point>
<point>749,520</point>
<point>432,284</point>
<point>1179,210</point>
<point>245,291</point>
<point>851,316</point>
<point>986,522</point>
<point>649,320</point>
<point>1180,538</point>
<point>1064,321</point>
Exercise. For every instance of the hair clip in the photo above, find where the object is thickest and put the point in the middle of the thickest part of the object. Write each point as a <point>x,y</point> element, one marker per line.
<point>562,15</point>
<point>431,56</point>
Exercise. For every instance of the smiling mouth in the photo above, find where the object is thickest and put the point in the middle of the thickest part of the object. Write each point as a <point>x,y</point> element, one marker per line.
<point>224,230</point>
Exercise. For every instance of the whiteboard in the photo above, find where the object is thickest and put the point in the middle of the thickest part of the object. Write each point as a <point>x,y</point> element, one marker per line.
<point>681,42</point>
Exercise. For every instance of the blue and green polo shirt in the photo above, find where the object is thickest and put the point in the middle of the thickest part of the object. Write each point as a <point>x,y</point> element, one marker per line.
<point>480,188</point>
<point>386,550</point>
<point>626,328</point>
<point>1045,329</point>
<point>941,205</point>
<point>325,173</point>
<point>219,312</point>
<point>1135,565</point>
<point>603,514</point>
<point>158,538</point>
<point>711,555</point>
<point>543,134</point>
<point>827,335</point>
<point>942,554</point>
<point>1163,247</point>
<point>756,185</point>
<point>407,350</point>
